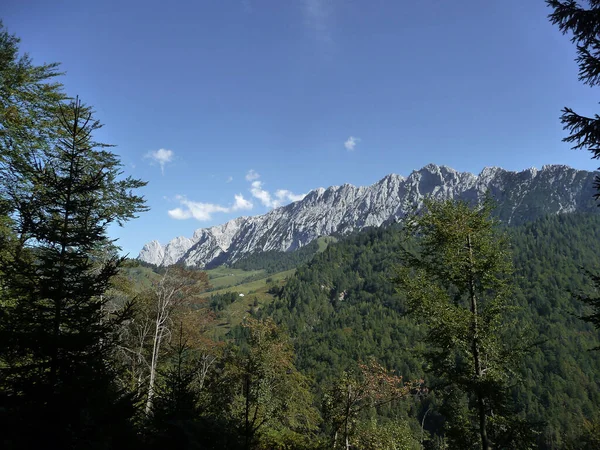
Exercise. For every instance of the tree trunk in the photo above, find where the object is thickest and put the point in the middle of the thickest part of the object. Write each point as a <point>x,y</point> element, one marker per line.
<point>153,364</point>
<point>485,445</point>
<point>247,411</point>
<point>347,418</point>
<point>58,300</point>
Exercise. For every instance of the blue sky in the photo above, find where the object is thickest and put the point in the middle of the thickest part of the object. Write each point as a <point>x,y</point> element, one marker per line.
<point>232,107</point>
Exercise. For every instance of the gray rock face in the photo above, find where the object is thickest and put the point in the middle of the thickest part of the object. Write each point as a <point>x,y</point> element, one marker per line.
<point>521,196</point>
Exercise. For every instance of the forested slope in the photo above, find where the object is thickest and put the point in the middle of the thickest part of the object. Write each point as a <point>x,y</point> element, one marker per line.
<point>343,307</point>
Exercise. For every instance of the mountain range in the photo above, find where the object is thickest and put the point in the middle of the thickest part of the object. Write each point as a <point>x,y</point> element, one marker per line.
<point>520,196</point>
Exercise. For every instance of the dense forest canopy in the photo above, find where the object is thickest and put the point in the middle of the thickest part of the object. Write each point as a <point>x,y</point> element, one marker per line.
<point>343,307</point>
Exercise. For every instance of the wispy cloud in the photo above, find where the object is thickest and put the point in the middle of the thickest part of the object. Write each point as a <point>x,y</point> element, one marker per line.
<point>241,203</point>
<point>204,211</point>
<point>317,17</point>
<point>351,143</point>
<point>273,201</point>
<point>161,156</point>
<point>229,179</point>
<point>284,194</point>
<point>252,175</point>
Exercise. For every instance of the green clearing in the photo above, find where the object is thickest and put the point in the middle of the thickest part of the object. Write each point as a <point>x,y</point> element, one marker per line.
<point>252,290</point>
<point>224,277</point>
<point>324,241</point>
<point>252,283</point>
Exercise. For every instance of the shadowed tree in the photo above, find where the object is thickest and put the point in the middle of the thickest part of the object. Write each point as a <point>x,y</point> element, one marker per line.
<point>57,338</point>
<point>583,23</point>
<point>582,20</point>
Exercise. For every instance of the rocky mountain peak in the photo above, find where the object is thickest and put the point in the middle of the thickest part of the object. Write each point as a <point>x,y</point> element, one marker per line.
<point>520,196</point>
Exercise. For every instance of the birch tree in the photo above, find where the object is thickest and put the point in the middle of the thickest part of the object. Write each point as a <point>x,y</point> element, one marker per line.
<point>175,290</point>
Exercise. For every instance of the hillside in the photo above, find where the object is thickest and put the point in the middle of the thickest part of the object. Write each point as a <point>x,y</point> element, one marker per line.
<point>342,307</point>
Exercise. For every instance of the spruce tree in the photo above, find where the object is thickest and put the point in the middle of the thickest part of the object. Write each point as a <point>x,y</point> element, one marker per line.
<point>55,370</point>
<point>583,22</point>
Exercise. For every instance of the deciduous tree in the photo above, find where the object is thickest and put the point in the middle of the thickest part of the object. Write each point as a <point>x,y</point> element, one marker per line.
<point>268,397</point>
<point>372,386</point>
<point>458,283</point>
<point>174,291</point>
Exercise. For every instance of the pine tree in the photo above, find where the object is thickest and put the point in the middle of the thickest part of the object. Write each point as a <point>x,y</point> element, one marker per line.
<point>458,283</point>
<point>57,338</point>
<point>584,25</point>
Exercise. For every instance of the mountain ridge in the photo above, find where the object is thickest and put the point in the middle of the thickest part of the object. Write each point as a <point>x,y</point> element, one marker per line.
<point>521,196</point>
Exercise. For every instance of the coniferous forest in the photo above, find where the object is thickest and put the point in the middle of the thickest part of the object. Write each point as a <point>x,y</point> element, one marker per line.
<point>448,330</point>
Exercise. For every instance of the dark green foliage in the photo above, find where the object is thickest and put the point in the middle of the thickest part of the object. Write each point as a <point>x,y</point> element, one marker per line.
<point>582,20</point>
<point>274,261</point>
<point>56,336</point>
<point>593,301</point>
<point>218,302</point>
<point>175,410</point>
<point>342,307</point>
<point>258,392</point>
<point>458,283</point>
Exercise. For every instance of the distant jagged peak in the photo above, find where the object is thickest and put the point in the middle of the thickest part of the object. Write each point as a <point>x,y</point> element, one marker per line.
<point>392,177</point>
<point>556,167</point>
<point>346,208</point>
<point>491,171</point>
<point>432,167</point>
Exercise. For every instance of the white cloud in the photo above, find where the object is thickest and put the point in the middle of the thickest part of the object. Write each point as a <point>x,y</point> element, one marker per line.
<point>351,143</point>
<point>241,203</point>
<point>284,194</point>
<point>229,179</point>
<point>252,175</point>
<point>201,211</point>
<point>259,193</point>
<point>161,156</point>
<point>281,195</point>
<point>204,211</point>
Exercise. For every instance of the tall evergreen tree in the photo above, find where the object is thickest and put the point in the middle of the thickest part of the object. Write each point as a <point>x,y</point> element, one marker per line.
<point>458,282</point>
<point>584,25</point>
<point>29,101</point>
<point>54,362</point>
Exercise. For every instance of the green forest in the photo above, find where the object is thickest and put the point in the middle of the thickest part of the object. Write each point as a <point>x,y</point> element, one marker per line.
<point>449,330</point>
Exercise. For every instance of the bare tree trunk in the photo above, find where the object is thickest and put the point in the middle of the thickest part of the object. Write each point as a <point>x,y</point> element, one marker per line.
<point>153,364</point>
<point>247,412</point>
<point>485,445</point>
<point>347,418</point>
<point>207,360</point>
